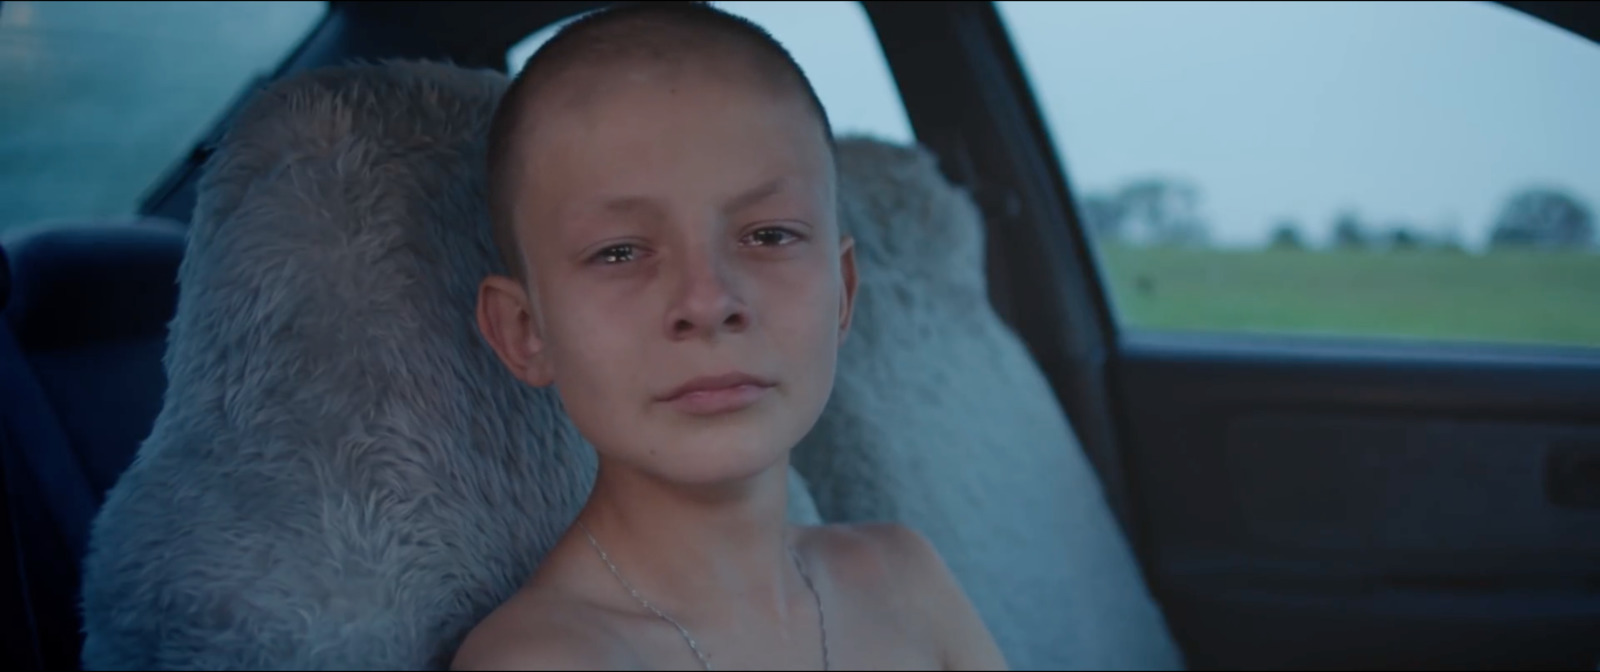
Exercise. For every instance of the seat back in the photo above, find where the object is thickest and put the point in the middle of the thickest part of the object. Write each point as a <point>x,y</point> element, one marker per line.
<point>20,643</point>
<point>342,474</point>
<point>90,308</point>
<point>941,419</point>
<point>80,359</point>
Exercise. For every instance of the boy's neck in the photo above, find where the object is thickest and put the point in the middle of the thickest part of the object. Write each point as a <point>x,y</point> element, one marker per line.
<point>721,554</point>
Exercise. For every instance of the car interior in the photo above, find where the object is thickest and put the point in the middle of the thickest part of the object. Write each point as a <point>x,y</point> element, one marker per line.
<point>1221,500</point>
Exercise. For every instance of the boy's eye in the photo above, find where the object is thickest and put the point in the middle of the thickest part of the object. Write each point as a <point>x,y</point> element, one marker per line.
<point>616,254</point>
<point>770,237</point>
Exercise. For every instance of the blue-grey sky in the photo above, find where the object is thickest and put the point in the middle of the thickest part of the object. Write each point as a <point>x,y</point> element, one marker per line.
<point>1428,113</point>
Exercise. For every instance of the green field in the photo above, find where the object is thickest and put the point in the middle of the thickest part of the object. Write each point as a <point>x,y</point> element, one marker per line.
<point>1524,297</point>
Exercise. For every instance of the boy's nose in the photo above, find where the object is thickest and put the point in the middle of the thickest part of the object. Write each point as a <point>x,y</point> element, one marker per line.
<point>707,302</point>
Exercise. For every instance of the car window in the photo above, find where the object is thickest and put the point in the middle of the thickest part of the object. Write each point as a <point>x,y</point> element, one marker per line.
<point>833,42</point>
<point>1412,170</point>
<point>102,98</point>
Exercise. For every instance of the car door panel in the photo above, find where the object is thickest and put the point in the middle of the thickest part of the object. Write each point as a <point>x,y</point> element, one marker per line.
<point>1324,506</point>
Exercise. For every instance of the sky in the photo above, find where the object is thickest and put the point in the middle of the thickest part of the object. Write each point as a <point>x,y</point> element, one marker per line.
<point>1426,113</point>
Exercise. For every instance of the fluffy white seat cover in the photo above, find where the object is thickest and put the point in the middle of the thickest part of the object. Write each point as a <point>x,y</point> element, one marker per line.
<point>940,419</point>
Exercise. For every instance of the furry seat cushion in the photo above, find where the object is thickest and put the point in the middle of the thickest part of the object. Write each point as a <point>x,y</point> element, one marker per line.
<point>940,419</point>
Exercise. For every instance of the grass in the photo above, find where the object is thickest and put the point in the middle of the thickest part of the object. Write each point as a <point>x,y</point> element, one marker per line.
<point>1503,297</point>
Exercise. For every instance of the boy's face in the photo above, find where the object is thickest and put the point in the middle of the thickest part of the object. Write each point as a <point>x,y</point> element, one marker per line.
<point>679,227</point>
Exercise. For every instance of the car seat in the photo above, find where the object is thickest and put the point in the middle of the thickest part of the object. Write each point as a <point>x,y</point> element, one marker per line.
<point>342,475</point>
<point>941,419</point>
<point>80,384</point>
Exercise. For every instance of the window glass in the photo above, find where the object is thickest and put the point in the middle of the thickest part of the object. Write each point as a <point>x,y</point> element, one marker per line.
<point>833,42</point>
<point>1417,170</point>
<point>102,98</point>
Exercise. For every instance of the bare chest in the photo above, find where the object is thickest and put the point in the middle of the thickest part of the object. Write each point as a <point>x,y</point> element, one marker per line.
<point>860,634</point>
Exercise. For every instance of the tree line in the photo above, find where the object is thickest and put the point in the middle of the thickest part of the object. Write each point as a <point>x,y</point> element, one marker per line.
<point>1165,212</point>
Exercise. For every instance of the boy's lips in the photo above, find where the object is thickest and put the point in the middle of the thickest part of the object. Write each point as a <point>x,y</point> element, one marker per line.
<point>711,395</point>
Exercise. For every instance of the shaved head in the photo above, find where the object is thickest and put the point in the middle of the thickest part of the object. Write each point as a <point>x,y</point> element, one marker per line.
<point>665,200</point>
<point>576,64</point>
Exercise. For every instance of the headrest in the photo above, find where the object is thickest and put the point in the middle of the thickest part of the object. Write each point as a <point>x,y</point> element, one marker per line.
<point>907,220</point>
<point>342,475</point>
<point>92,282</point>
<point>941,420</point>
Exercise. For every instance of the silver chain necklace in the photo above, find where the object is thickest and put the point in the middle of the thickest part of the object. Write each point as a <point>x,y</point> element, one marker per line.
<point>822,621</point>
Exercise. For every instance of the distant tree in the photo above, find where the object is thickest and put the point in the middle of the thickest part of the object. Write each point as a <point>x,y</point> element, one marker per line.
<point>1349,233</point>
<point>1286,236</point>
<point>1449,240</point>
<point>1447,236</point>
<point>1543,219</point>
<point>1401,238</point>
<point>1162,212</point>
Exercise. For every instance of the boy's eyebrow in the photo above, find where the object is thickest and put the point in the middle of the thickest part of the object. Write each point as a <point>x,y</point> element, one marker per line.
<point>756,195</point>
<point>623,204</point>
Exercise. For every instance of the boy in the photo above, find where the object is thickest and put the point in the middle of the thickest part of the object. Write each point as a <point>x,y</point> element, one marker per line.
<point>662,186</point>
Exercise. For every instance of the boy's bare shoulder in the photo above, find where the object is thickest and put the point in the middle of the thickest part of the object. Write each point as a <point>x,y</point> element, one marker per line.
<point>887,563</point>
<point>538,630</point>
<point>876,551</point>
<point>898,565</point>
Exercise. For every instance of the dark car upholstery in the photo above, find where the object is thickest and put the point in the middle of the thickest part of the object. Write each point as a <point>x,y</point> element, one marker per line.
<point>81,343</point>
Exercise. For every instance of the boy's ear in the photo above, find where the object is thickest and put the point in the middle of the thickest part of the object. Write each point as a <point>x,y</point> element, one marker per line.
<point>505,317</point>
<point>847,266</point>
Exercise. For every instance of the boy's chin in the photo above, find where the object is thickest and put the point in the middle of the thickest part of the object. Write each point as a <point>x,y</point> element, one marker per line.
<point>713,464</point>
<point>729,452</point>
